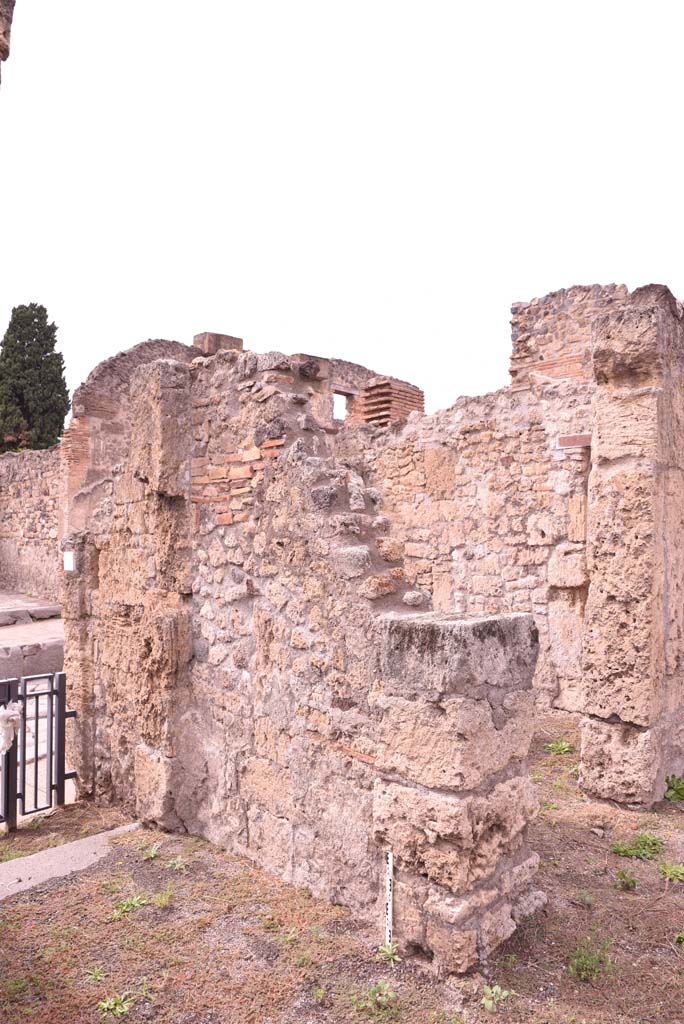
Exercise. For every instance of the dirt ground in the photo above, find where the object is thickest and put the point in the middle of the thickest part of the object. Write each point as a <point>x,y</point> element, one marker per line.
<point>62,825</point>
<point>215,941</point>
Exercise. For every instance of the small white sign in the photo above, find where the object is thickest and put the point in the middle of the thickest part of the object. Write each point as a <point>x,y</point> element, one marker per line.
<point>389,896</point>
<point>69,561</point>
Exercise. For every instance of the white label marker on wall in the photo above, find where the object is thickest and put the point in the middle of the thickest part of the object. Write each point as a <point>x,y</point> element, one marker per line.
<point>389,896</point>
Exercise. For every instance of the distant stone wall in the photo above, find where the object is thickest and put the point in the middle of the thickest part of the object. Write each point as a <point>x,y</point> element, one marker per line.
<point>246,662</point>
<point>30,494</point>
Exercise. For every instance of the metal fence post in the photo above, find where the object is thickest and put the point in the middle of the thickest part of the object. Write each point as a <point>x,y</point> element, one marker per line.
<point>11,767</point>
<point>60,738</point>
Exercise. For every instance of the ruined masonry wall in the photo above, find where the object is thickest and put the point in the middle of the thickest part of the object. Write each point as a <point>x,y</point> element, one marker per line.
<point>632,669</point>
<point>264,641</point>
<point>488,500</point>
<point>247,664</point>
<point>29,523</point>
<point>552,335</point>
<point>565,499</point>
<point>97,439</point>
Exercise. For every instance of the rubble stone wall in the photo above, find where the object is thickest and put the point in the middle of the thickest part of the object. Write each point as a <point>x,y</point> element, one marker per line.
<point>552,335</point>
<point>315,643</point>
<point>97,439</point>
<point>250,663</point>
<point>30,495</point>
<point>489,503</point>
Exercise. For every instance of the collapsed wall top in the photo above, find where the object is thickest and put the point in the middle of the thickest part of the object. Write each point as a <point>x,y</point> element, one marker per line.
<point>370,398</point>
<point>552,335</point>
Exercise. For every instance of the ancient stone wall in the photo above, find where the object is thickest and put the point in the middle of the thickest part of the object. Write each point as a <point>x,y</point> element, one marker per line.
<point>632,681</point>
<point>491,501</point>
<point>265,632</point>
<point>97,439</point>
<point>488,499</point>
<point>30,495</point>
<point>552,335</point>
<point>245,663</point>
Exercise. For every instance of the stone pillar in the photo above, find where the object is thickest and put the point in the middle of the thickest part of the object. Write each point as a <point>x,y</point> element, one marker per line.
<point>453,798</point>
<point>128,636</point>
<point>632,674</point>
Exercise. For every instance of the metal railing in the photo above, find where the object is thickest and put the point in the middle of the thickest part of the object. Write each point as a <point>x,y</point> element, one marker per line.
<point>33,771</point>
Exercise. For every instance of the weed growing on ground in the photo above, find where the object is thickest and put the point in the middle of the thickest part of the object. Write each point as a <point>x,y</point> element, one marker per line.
<point>573,770</point>
<point>95,974</point>
<point>126,906</point>
<point>318,992</point>
<point>671,872</point>
<point>589,960</point>
<point>442,1017</point>
<point>270,922</point>
<point>559,747</point>
<point>7,855</point>
<point>493,995</point>
<point>380,1001</point>
<point>644,846</point>
<point>146,991</point>
<point>625,881</point>
<point>14,987</point>
<point>163,899</point>
<point>679,938</point>
<point>117,1005</point>
<point>675,787</point>
<point>389,954</point>
<point>150,852</point>
<point>110,888</point>
<point>178,864</point>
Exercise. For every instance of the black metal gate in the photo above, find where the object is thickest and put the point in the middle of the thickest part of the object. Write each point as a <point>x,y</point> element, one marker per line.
<point>33,771</point>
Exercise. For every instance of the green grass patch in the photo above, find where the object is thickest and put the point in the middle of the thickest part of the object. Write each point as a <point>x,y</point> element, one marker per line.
<point>644,846</point>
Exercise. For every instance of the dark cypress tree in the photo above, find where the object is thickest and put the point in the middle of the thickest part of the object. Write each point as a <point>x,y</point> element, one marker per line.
<point>34,399</point>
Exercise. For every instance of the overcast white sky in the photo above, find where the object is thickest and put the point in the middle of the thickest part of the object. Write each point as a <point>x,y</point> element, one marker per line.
<point>376,180</point>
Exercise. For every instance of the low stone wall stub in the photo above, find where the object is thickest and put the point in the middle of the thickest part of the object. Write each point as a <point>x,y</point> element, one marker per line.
<point>452,799</point>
